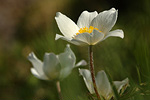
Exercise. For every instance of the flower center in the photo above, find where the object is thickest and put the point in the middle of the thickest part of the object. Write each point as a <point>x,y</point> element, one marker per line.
<point>87,30</point>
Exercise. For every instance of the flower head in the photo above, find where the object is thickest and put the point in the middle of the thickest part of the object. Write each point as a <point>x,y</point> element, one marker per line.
<point>91,27</point>
<point>103,84</point>
<point>54,67</point>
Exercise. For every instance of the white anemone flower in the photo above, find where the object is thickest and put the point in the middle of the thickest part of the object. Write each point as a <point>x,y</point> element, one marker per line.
<point>103,84</point>
<point>54,67</point>
<point>91,27</point>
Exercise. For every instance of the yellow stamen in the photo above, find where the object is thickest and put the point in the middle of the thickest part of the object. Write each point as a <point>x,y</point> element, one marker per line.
<point>87,30</point>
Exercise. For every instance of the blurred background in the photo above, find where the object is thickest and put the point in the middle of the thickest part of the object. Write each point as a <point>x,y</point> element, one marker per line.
<point>29,25</point>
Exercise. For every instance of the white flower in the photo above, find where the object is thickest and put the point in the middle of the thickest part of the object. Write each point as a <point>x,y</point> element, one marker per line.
<point>103,84</point>
<point>54,67</point>
<point>91,27</point>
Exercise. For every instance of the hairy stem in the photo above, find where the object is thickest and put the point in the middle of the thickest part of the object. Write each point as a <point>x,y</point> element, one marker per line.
<point>92,70</point>
<point>59,90</point>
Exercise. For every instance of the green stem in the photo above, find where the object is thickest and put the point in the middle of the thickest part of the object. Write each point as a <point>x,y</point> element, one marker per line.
<point>92,71</point>
<point>59,90</point>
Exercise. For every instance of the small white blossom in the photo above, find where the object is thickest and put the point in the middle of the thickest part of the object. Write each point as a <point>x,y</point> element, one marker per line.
<point>103,84</point>
<point>54,67</point>
<point>91,27</point>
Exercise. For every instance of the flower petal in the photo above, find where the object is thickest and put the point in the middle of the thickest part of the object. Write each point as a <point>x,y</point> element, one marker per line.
<point>90,38</point>
<point>37,64</point>
<point>67,61</point>
<point>116,33</point>
<point>73,41</point>
<point>84,37</point>
<point>97,37</point>
<point>37,75</point>
<point>121,85</point>
<point>51,66</point>
<point>87,79</point>
<point>81,63</point>
<point>103,85</point>
<point>86,18</point>
<point>105,20</point>
<point>66,25</point>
